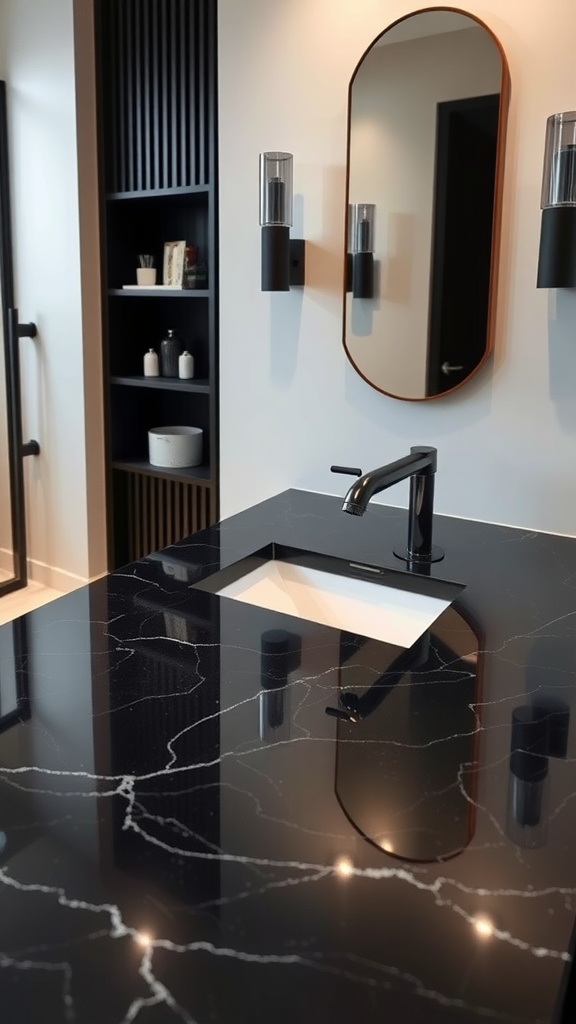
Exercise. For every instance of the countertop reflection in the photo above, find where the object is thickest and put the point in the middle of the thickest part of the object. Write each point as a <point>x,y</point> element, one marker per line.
<point>185,833</point>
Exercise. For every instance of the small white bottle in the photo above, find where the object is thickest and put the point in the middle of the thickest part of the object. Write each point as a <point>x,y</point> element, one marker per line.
<point>151,364</point>
<point>185,366</point>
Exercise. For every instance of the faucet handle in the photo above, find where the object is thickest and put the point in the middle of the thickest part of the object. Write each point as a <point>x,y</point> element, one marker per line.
<point>347,470</point>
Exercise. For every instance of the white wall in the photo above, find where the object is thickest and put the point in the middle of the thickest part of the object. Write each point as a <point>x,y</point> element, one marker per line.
<point>291,404</point>
<point>393,155</point>
<point>38,65</point>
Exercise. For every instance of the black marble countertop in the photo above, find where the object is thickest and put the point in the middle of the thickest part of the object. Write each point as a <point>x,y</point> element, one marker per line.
<point>187,834</point>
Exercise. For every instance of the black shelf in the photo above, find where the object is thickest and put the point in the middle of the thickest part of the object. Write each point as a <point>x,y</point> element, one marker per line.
<point>161,293</point>
<point>201,387</point>
<point>189,474</point>
<point>157,106</point>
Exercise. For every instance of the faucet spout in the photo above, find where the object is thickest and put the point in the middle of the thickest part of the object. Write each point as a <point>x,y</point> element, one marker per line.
<point>421,461</point>
<point>420,467</point>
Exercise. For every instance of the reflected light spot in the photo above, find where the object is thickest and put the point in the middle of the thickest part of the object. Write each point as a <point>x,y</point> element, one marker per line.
<point>143,939</point>
<point>344,867</point>
<point>387,846</point>
<point>483,926</point>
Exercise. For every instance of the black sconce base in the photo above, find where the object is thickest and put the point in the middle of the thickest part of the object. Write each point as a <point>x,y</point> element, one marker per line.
<point>283,259</point>
<point>363,275</point>
<point>557,257</point>
<point>275,258</point>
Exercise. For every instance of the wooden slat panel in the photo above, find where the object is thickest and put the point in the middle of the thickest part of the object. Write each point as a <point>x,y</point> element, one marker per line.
<point>161,512</point>
<point>158,70</point>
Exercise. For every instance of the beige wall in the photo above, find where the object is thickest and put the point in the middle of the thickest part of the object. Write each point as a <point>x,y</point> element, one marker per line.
<point>290,403</point>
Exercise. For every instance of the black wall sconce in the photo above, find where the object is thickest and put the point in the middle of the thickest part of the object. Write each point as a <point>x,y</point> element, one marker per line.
<point>282,256</point>
<point>361,254</point>
<point>557,257</point>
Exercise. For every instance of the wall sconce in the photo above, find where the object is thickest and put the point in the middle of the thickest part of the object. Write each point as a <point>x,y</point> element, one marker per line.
<point>363,251</point>
<point>282,256</point>
<point>557,257</point>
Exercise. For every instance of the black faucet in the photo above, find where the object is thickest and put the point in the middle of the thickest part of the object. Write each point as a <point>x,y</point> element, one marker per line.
<point>420,466</point>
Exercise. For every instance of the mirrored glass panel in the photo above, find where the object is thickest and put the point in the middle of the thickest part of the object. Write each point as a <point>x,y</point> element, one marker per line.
<point>6,538</point>
<point>11,565</point>
<point>426,134</point>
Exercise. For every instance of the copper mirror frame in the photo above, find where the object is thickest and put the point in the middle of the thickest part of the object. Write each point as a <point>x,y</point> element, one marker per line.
<point>367,306</point>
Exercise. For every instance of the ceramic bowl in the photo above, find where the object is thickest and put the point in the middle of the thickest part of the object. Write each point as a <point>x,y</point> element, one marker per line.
<point>175,447</point>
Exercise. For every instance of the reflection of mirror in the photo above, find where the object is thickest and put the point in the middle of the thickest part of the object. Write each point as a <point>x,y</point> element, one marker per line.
<point>426,136</point>
<point>407,731</point>
<point>14,705</point>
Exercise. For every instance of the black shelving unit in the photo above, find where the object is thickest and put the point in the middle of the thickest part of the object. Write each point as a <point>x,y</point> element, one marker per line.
<point>156,64</point>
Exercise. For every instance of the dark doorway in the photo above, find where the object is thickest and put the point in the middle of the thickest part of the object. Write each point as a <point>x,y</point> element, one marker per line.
<point>461,239</point>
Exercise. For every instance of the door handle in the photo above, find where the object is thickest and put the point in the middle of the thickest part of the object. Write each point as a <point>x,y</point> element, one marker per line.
<point>17,330</point>
<point>447,369</point>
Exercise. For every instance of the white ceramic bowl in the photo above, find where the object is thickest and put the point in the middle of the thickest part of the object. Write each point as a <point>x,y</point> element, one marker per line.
<point>175,447</point>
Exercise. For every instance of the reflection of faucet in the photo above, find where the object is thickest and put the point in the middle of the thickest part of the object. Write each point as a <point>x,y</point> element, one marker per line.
<point>355,708</point>
<point>420,466</point>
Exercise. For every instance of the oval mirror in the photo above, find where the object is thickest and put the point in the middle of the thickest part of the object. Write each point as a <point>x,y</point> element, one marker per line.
<point>426,127</point>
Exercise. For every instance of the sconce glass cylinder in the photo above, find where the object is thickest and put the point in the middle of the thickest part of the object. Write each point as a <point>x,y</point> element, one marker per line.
<point>557,256</point>
<point>276,189</point>
<point>363,251</point>
<point>559,178</point>
<point>364,227</point>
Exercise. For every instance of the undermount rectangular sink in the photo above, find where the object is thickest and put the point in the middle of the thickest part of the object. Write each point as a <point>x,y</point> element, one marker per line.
<point>384,604</point>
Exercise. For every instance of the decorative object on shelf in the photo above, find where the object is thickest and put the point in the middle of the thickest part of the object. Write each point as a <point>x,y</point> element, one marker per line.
<point>151,364</point>
<point>185,366</point>
<point>282,257</point>
<point>557,256</point>
<point>195,273</point>
<point>363,251</point>
<point>146,272</point>
<point>170,349</point>
<point>173,270</point>
<point>175,447</point>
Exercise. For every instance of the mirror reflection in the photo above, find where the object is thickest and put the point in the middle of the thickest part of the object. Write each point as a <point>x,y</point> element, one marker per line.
<point>426,128</point>
<point>6,541</point>
<point>407,733</point>
<point>7,559</point>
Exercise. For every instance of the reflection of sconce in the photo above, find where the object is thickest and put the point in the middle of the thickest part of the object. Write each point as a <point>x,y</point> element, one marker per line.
<point>539,732</point>
<point>363,251</point>
<point>280,655</point>
<point>557,258</point>
<point>282,256</point>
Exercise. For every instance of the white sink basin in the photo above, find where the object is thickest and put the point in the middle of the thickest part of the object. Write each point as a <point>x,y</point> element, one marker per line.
<point>374,609</point>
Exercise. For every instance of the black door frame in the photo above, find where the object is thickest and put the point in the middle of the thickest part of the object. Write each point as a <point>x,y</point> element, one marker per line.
<point>444,112</point>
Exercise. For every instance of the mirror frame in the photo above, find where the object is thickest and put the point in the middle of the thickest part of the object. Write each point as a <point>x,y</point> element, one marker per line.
<point>498,202</point>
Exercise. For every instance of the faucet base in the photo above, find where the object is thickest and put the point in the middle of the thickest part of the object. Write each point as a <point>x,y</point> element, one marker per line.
<point>401,551</point>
